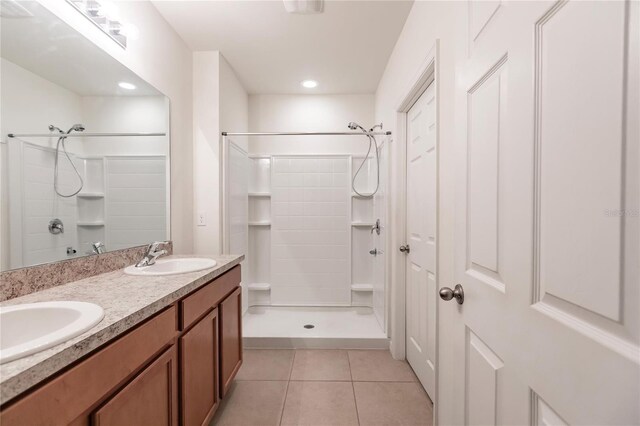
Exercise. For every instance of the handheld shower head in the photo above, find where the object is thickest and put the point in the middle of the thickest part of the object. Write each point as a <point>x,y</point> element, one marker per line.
<point>372,143</point>
<point>76,128</point>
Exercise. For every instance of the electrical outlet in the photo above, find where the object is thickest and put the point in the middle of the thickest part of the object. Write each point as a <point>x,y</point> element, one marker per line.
<point>202,219</point>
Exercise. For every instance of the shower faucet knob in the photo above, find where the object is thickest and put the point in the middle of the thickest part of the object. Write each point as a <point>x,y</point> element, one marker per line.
<point>56,226</point>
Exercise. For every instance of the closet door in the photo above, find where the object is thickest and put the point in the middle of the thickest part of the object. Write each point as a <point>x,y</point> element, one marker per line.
<point>547,216</point>
<point>421,293</point>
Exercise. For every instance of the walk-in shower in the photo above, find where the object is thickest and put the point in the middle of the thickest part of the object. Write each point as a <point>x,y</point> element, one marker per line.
<point>306,223</point>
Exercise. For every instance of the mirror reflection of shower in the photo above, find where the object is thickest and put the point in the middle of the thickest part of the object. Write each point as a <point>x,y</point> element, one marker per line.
<point>372,143</point>
<point>61,143</point>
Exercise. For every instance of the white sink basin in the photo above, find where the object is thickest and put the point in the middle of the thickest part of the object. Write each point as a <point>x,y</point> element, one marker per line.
<point>33,327</point>
<point>172,266</point>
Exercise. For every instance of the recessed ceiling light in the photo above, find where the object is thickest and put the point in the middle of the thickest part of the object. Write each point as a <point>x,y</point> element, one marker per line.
<point>309,84</point>
<point>126,85</point>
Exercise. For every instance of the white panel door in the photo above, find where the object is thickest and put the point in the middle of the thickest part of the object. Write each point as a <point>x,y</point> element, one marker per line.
<point>547,244</point>
<point>421,291</point>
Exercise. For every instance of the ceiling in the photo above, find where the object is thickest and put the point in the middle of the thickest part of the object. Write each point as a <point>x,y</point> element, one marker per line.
<point>48,47</point>
<point>345,49</point>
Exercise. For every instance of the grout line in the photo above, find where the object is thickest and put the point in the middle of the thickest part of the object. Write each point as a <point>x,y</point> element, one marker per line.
<point>286,391</point>
<point>353,388</point>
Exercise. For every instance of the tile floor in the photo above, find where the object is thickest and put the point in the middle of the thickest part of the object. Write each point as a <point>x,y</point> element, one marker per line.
<point>324,387</point>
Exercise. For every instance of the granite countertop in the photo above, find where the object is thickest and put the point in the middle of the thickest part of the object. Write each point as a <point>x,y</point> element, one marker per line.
<point>127,301</point>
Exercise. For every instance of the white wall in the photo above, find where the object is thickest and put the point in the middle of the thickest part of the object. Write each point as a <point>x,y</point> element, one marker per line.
<point>427,22</point>
<point>30,103</point>
<point>308,113</point>
<point>111,114</point>
<point>206,150</point>
<point>234,104</point>
<point>162,58</point>
<point>219,100</point>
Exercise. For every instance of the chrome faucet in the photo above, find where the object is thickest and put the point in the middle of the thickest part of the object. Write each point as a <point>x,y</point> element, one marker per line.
<point>152,254</point>
<point>98,247</point>
<point>376,227</point>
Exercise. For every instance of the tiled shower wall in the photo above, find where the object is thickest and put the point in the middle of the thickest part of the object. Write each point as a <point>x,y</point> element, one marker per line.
<point>136,200</point>
<point>310,241</point>
<point>40,204</point>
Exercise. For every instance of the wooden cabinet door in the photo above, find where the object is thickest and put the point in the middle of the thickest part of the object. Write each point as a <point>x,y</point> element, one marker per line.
<point>199,362</point>
<point>151,398</point>
<point>230,339</point>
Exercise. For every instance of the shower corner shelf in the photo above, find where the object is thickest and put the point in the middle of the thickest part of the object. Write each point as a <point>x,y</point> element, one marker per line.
<point>354,195</point>
<point>361,287</point>
<point>259,223</point>
<point>90,195</point>
<point>362,224</point>
<point>95,223</point>
<point>259,286</point>
<point>259,194</point>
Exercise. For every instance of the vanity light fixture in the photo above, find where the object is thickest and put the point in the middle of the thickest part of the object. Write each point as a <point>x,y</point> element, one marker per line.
<point>309,84</point>
<point>304,7</point>
<point>127,86</point>
<point>103,14</point>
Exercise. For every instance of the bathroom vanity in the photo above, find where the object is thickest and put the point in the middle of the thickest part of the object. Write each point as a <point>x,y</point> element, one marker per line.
<point>171,367</point>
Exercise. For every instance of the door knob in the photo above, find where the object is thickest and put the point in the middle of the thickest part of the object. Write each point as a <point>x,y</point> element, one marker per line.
<point>458,293</point>
<point>405,249</point>
<point>373,252</point>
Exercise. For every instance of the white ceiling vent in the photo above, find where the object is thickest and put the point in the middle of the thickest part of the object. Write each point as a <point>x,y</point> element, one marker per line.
<point>304,7</point>
<point>13,9</point>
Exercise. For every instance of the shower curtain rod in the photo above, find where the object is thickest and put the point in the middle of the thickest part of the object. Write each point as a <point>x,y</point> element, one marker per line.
<point>79,135</point>
<point>306,134</point>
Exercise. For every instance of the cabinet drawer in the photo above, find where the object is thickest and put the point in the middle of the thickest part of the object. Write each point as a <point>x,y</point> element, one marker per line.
<point>72,394</point>
<point>203,300</point>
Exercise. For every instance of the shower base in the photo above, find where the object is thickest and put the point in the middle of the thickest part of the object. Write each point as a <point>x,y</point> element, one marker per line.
<point>333,328</point>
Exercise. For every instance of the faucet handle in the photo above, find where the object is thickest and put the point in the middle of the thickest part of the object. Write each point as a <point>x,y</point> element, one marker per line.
<point>376,227</point>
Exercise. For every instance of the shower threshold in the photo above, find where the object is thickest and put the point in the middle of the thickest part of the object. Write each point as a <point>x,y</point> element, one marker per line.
<point>312,327</point>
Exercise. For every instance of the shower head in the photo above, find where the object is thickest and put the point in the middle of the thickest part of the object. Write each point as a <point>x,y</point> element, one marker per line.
<point>76,128</point>
<point>354,126</point>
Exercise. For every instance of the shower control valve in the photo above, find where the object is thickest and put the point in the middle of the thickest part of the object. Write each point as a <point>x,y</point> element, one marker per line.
<point>56,227</point>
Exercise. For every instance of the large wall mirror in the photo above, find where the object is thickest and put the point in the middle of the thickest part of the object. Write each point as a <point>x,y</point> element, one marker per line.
<point>84,152</point>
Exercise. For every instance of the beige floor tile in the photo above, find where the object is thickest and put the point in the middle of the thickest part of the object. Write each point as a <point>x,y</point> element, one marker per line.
<point>330,365</point>
<point>320,403</point>
<point>266,364</point>
<point>385,403</point>
<point>252,404</point>
<point>378,366</point>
